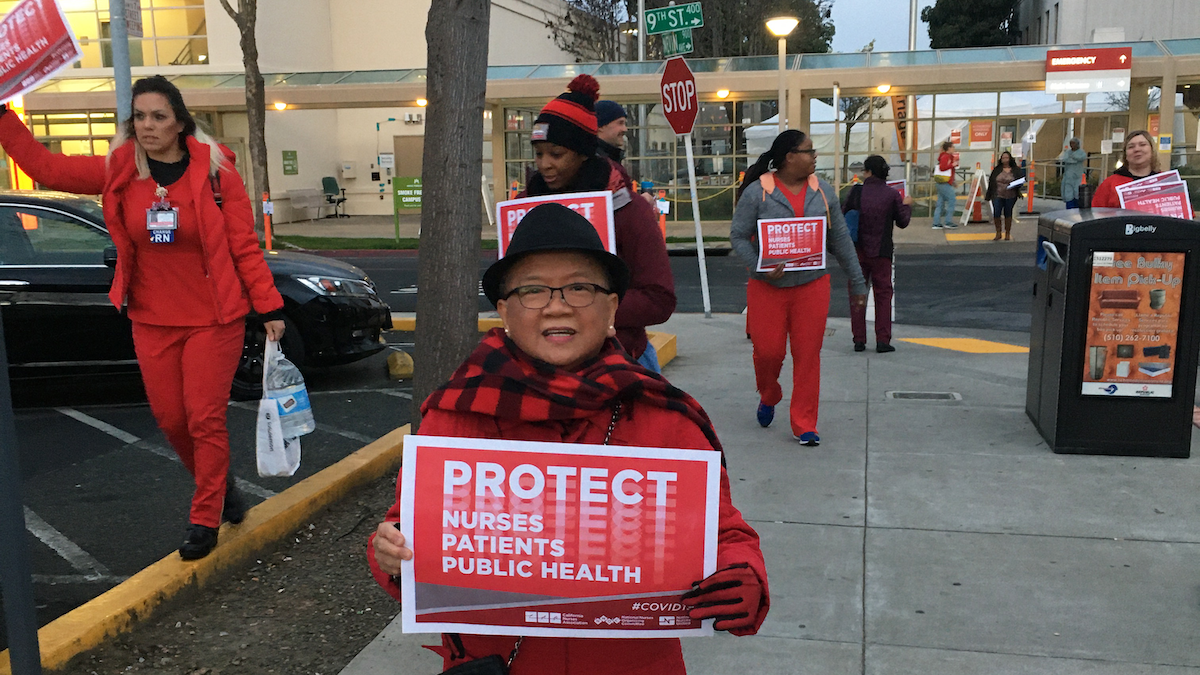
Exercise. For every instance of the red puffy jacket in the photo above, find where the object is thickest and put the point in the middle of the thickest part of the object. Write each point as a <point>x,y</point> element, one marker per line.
<point>236,270</point>
<point>647,426</point>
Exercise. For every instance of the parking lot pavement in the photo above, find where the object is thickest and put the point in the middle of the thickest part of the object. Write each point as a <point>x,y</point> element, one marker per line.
<point>105,496</point>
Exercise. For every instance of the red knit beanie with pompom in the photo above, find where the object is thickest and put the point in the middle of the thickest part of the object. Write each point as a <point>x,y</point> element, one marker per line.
<point>570,119</point>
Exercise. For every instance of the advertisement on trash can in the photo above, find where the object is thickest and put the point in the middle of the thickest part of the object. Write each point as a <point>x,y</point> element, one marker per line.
<point>1133,323</point>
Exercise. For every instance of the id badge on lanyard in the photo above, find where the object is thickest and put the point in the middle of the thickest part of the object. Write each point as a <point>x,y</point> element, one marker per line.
<point>162,220</point>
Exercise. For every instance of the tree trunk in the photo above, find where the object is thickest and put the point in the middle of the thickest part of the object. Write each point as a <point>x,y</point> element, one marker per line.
<point>246,18</point>
<point>456,33</point>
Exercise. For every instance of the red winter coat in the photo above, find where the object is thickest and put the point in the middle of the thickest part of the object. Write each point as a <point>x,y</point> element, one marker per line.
<point>237,273</point>
<point>650,298</point>
<point>1106,193</point>
<point>647,426</point>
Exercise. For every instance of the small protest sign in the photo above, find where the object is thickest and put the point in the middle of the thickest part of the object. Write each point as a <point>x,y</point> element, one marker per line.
<point>597,207</point>
<point>799,242</point>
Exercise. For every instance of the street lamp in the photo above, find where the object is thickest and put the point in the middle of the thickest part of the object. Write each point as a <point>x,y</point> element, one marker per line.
<point>781,27</point>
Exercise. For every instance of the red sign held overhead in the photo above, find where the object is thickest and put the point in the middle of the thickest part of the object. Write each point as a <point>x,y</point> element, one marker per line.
<point>679,99</point>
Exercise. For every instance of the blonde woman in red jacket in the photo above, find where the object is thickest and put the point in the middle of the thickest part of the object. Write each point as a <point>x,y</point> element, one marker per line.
<point>1140,161</point>
<point>187,285</point>
<point>556,373</point>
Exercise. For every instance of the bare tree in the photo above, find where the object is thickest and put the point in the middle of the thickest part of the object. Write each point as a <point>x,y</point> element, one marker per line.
<point>855,109</point>
<point>246,18</point>
<point>590,30</point>
<point>456,33</point>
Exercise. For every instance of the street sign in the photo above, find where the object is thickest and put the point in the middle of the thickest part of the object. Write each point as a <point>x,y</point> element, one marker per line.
<point>679,101</point>
<point>677,17</point>
<point>678,42</point>
<point>1084,71</point>
<point>291,163</point>
<point>133,18</point>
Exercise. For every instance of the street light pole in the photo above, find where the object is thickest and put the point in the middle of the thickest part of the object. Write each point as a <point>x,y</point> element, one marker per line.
<point>910,110</point>
<point>781,27</point>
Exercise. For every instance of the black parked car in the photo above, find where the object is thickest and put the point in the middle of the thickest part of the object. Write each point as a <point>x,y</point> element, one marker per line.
<point>56,267</point>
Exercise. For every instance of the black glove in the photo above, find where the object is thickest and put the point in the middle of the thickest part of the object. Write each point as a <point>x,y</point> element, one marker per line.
<point>732,596</point>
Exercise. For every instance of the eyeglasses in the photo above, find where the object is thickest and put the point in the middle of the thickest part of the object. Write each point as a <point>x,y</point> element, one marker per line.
<point>811,152</point>
<point>577,295</point>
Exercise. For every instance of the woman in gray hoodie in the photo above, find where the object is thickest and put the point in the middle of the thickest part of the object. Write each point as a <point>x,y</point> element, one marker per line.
<point>787,305</point>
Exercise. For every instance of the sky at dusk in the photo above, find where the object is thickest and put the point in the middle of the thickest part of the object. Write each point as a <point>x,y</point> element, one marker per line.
<point>885,21</point>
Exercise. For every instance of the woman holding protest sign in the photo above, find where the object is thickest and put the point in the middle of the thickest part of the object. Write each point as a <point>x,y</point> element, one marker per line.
<point>1140,161</point>
<point>564,147</point>
<point>785,306</point>
<point>555,373</point>
<point>188,271</point>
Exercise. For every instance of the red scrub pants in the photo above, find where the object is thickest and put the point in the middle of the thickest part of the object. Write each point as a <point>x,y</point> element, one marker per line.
<point>878,272</point>
<point>187,371</point>
<point>776,317</point>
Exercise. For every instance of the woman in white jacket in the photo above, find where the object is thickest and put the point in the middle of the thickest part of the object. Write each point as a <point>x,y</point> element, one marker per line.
<point>790,306</point>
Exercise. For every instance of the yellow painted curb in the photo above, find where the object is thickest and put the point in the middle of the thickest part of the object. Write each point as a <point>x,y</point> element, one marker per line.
<point>665,345</point>
<point>969,345</point>
<point>977,236</point>
<point>134,600</point>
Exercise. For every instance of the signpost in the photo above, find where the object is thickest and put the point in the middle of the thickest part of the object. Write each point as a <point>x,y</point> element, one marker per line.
<point>406,196</point>
<point>680,105</point>
<point>676,17</point>
<point>678,42</point>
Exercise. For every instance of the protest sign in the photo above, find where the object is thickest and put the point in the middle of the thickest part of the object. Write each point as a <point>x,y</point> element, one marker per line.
<point>562,539</point>
<point>1165,199</point>
<point>597,207</point>
<point>35,43</point>
<point>800,242</point>
<point>899,186</point>
<point>1163,194</point>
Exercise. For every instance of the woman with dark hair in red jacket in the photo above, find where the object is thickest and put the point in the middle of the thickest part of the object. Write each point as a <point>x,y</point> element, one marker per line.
<point>564,147</point>
<point>189,270</point>
<point>555,373</point>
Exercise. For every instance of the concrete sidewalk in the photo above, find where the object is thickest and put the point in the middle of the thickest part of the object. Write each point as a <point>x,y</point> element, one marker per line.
<point>931,536</point>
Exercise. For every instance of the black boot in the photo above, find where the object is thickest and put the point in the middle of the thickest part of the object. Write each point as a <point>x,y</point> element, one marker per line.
<point>234,510</point>
<point>200,542</point>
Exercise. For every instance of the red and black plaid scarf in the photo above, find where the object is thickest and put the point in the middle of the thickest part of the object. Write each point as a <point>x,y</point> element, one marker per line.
<point>500,380</point>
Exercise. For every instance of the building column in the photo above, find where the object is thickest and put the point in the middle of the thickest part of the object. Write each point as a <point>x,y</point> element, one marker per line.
<point>796,116</point>
<point>1139,108</point>
<point>499,152</point>
<point>804,110</point>
<point>1166,111</point>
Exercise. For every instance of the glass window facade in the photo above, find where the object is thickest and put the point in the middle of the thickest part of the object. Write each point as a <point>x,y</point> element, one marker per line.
<point>175,32</point>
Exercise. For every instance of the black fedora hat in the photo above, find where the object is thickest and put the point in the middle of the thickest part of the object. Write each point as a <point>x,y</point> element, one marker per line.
<point>554,227</point>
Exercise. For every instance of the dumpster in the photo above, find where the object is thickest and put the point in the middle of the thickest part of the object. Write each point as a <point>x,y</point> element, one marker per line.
<point>1114,333</point>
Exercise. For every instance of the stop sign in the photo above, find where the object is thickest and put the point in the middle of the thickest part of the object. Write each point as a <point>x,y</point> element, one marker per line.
<point>679,100</point>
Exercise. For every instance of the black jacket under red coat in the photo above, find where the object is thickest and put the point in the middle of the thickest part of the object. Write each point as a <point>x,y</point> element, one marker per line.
<point>650,299</point>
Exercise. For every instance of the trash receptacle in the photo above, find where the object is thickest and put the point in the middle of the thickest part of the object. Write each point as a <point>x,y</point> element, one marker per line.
<point>1113,338</point>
